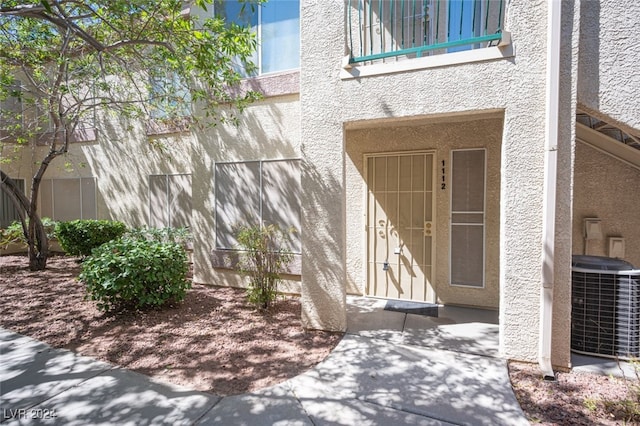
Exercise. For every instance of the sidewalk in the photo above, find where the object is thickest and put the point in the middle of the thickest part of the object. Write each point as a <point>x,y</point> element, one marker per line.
<point>383,372</point>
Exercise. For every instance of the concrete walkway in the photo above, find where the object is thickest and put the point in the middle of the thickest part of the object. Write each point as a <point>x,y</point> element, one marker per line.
<point>390,369</point>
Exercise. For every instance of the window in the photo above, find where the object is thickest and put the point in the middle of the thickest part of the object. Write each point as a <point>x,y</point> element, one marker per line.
<point>170,201</point>
<point>68,199</point>
<point>464,22</point>
<point>8,213</point>
<point>255,192</point>
<point>169,96</point>
<point>467,217</point>
<point>277,26</point>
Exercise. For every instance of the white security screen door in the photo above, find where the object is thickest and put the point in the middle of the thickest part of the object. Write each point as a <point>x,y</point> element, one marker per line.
<point>400,227</point>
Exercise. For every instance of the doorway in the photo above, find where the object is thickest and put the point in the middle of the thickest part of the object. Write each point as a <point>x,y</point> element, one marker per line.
<point>400,225</point>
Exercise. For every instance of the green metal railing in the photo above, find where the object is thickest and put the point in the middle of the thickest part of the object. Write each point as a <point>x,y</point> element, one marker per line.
<point>381,29</point>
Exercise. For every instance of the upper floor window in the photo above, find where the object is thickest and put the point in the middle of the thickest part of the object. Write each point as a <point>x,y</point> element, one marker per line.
<point>385,30</point>
<point>277,27</point>
<point>169,96</point>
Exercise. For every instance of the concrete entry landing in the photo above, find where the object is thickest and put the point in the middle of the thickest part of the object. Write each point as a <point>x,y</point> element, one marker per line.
<point>457,329</point>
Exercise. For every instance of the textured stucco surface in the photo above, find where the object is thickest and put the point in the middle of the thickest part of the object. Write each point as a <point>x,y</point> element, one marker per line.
<point>121,159</point>
<point>323,252</point>
<point>515,86</point>
<point>608,189</point>
<point>609,76</point>
<point>268,130</point>
<point>441,136</point>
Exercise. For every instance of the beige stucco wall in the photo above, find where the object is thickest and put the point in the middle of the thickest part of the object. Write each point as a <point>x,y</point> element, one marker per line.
<point>608,189</point>
<point>121,159</point>
<point>123,156</point>
<point>268,130</point>
<point>609,76</point>
<point>440,135</point>
<point>515,85</point>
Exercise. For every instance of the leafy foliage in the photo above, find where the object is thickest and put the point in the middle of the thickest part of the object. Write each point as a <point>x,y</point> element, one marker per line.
<point>263,259</point>
<point>13,234</point>
<point>180,236</point>
<point>65,63</point>
<point>131,273</point>
<point>80,237</point>
<point>65,59</point>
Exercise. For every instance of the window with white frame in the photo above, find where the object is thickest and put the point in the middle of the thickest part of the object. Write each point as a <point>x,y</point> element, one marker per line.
<point>8,212</point>
<point>68,198</point>
<point>170,201</point>
<point>467,217</point>
<point>277,26</point>
<point>257,192</point>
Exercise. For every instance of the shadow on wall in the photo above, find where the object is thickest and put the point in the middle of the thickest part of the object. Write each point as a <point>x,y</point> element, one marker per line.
<point>267,130</point>
<point>323,251</point>
<point>123,161</point>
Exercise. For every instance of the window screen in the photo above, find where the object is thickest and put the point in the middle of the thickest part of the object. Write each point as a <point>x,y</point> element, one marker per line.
<point>170,201</point>
<point>254,192</point>
<point>8,212</point>
<point>467,217</point>
<point>68,199</point>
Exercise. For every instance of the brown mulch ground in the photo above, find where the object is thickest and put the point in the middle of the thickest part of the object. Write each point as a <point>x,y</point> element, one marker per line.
<point>213,341</point>
<point>575,398</point>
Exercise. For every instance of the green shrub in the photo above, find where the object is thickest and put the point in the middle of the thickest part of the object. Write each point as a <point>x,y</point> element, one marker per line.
<point>12,234</point>
<point>263,258</point>
<point>79,237</point>
<point>134,273</point>
<point>172,235</point>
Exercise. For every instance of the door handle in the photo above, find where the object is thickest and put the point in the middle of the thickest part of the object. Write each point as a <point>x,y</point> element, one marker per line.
<point>427,229</point>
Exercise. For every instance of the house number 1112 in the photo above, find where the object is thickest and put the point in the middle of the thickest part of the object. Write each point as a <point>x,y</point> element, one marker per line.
<point>443,185</point>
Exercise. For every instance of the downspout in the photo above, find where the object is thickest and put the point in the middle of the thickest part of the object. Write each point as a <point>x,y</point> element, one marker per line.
<point>550,183</point>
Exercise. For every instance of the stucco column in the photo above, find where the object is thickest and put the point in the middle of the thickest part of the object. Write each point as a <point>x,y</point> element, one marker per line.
<point>322,180</point>
<point>561,325</point>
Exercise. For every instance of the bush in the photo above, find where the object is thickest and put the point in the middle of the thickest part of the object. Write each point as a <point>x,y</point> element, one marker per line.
<point>263,259</point>
<point>79,237</point>
<point>134,273</point>
<point>181,236</point>
<point>13,234</point>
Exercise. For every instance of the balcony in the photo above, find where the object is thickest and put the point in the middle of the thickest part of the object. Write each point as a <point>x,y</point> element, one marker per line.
<point>382,31</point>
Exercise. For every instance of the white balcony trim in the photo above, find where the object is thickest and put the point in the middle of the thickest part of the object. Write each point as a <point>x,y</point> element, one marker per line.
<point>505,50</point>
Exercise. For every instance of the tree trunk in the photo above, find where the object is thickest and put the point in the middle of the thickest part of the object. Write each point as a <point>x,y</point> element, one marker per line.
<point>38,243</point>
<point>32,227</point>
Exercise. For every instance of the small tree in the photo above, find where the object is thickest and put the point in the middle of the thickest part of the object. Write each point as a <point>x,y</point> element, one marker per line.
<point>64,61</point>
<point>263,259</point>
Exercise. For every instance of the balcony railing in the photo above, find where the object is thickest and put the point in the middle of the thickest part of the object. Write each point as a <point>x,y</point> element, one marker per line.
<point>383,30</point>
